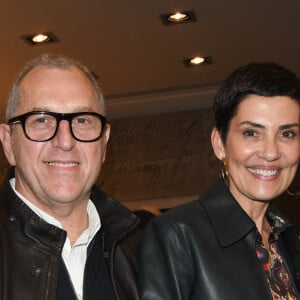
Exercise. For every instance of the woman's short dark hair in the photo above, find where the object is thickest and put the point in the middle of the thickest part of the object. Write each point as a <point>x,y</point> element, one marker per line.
<point>263,79</point>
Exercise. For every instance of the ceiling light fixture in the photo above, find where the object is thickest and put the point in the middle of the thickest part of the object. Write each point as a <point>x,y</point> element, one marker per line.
<point>197,60</point>
<point>40,38</point>
<point>178,17</point>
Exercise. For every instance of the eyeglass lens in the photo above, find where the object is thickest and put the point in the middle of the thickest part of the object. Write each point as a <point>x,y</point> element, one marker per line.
<point>84,127</point>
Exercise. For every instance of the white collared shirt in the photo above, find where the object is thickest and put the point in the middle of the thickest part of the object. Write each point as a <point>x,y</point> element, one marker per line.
<point>74,256</point>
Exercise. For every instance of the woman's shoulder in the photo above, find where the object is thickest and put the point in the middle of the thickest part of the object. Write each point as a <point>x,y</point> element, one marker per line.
<point>185,215</point>
<point>193,210</point>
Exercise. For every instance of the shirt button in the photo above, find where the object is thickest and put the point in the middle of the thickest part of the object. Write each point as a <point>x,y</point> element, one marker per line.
<point>36,271</point>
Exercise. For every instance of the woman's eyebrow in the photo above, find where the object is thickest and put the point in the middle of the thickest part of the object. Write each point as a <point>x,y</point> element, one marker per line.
<point>252,124</point>
<point>281,127</point>
<point>288,126</point>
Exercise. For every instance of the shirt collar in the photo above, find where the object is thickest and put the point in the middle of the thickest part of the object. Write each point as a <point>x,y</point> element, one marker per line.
<point>277,222</point>
<point>93,216</point>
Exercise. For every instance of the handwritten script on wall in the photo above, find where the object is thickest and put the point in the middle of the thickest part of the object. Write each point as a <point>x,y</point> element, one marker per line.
<point>159,156</point>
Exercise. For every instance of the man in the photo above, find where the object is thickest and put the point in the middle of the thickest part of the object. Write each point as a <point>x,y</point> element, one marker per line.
<point>60,236</point>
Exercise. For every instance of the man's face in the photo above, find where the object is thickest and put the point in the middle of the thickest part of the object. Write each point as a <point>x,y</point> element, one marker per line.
<point>62,170</point>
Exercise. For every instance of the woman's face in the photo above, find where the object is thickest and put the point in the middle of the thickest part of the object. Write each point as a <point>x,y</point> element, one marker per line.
<point>262,148</point>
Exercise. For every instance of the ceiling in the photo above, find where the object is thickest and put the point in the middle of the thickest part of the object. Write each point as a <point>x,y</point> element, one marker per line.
<point>139,60</point>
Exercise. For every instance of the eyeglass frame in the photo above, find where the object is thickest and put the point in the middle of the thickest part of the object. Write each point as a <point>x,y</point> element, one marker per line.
<point>21,119</point>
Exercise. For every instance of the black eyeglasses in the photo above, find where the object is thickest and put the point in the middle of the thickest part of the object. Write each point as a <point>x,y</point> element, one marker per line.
<point>42,126</point>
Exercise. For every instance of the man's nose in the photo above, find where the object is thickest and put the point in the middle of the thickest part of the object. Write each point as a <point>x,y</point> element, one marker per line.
<point>63,138</point>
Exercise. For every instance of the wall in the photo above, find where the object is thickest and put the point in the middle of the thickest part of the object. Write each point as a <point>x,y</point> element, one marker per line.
<point>162,160</point>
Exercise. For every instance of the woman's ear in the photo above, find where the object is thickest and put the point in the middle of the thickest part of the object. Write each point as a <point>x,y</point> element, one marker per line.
<point>217,144</point>
<point>6,141</point>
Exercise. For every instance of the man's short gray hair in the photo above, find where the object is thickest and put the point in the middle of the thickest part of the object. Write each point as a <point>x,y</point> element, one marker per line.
<point>58,61</point>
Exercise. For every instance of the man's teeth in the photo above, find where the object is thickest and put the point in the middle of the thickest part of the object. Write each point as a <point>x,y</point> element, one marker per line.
<point>263,172</point>
<point>61,165</point>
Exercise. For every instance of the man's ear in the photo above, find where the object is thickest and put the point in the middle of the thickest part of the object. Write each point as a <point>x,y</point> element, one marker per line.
<point>5,139</point>
<point>217,144</point>
<point>105,137</point>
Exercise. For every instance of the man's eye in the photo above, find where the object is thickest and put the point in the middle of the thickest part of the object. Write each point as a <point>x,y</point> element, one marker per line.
<point>40,120</point>
<point>81,121</point>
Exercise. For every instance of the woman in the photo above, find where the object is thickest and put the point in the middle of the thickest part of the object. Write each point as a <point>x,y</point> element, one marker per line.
<point>232,244</point>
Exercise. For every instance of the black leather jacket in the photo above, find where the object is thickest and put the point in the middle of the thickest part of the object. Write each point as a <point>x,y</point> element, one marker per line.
<point>206,250</point>
<point>30,249</point>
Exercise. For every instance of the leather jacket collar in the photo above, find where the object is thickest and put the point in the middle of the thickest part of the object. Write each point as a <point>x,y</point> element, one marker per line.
<point>115,218</point>
<point>230,222</point>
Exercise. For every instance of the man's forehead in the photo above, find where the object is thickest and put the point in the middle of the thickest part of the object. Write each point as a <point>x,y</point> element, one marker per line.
<point>42,92</point>
<point>51,69</point>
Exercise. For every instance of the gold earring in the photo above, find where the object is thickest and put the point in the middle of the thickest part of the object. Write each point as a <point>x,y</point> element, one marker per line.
<point>224,172</point>
<point>292,193</point>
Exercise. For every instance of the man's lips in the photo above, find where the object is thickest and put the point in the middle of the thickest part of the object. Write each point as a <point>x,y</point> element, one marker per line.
<point>61,164</point>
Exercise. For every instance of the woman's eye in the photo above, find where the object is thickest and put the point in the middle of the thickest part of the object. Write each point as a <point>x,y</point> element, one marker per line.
<point>250,133</point>
<point>288,134</point>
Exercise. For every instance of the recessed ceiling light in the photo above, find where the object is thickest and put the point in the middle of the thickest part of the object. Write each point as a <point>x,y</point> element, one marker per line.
<point>40,38</point>
<point>178,17</point>
<point>197,60</point>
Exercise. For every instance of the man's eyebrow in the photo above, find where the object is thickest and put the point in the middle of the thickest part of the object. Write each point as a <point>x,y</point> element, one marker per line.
<point>47,109</point>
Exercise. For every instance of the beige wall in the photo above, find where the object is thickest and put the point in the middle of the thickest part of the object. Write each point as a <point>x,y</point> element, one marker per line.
<point>162,160</point>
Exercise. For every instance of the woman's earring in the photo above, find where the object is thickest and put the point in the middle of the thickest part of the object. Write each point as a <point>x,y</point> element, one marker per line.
<point>224,172</point>
<point>292,193</point>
